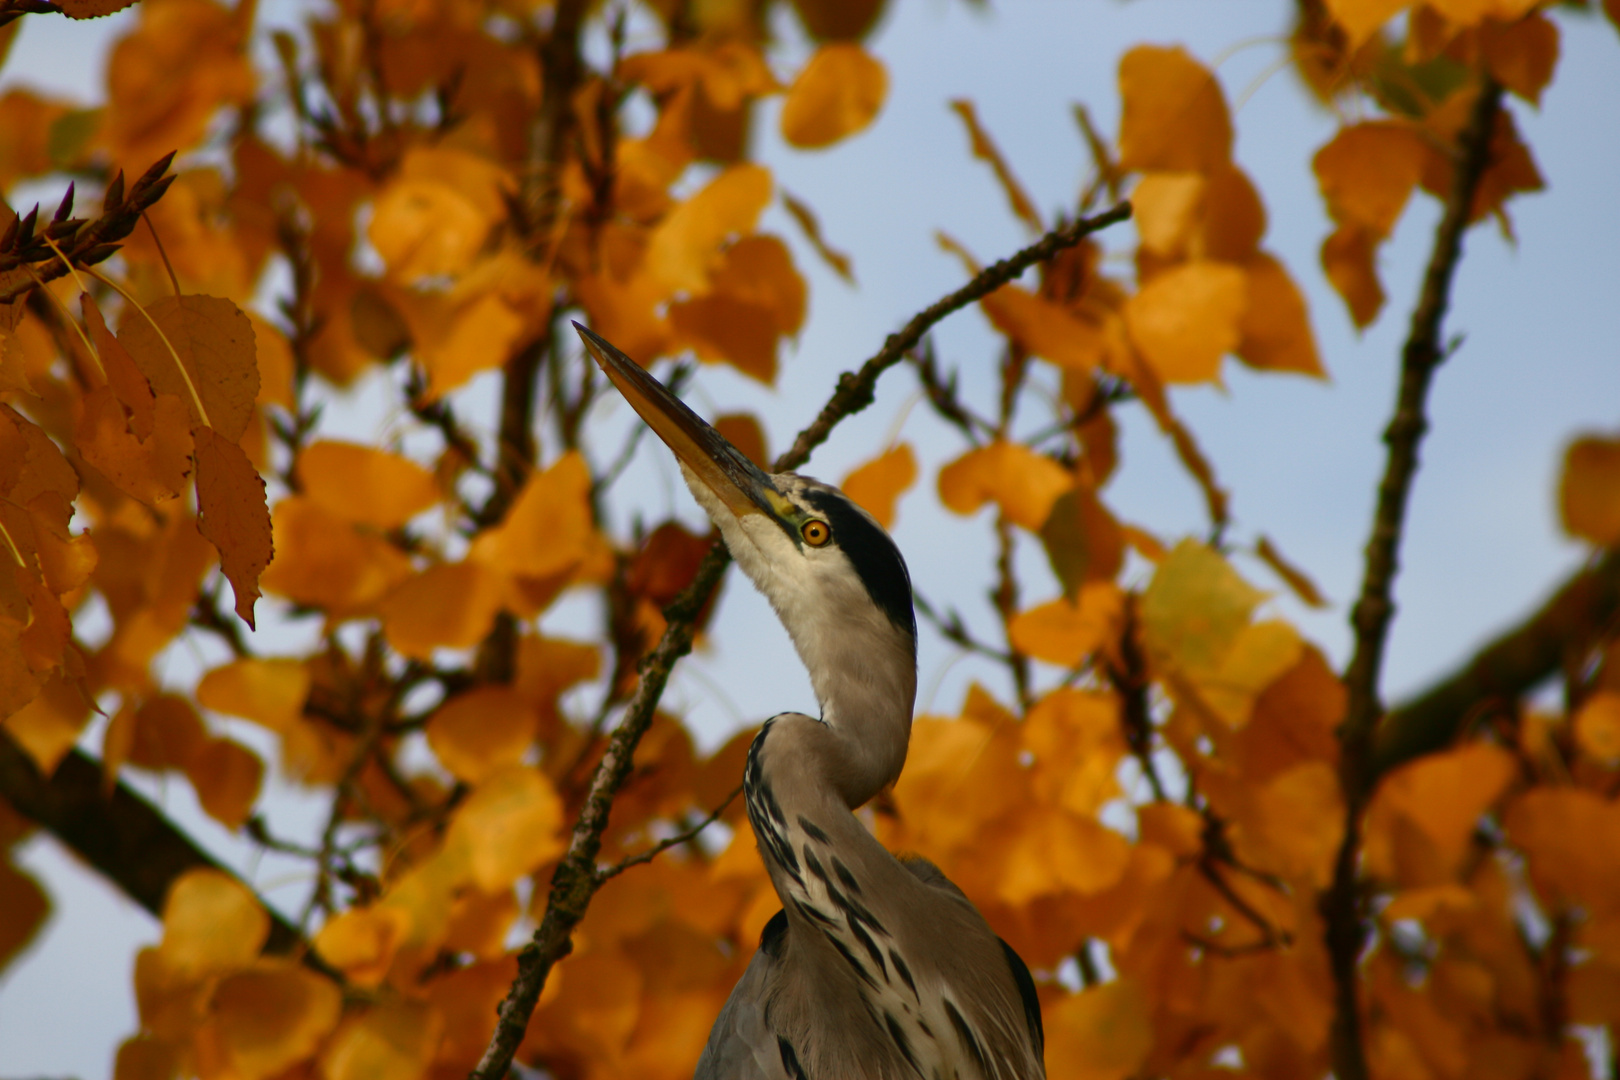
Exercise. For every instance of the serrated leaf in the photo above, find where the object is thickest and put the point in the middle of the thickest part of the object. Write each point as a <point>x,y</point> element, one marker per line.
<point>232,514</point>
<point>211,341</point>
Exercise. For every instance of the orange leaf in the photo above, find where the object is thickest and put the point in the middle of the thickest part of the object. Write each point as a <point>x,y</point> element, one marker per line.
<point>361,942</point>
<point>435,213</point>
<point>1521,55</point>
<point>123,376</point>
<point>1166,206</point>
<point>1442,796</point>
<point>1065,632</point>
<point>482,731</point>
<point>393,1039</point>
<point>1589,491</point>
<point>271,693</point>
<point>1077,742</point>
<point>1185,319</point>
<point>508,826</point>
<point>1367,173</point>
<point>212,925</point>
<point>1362,18</point>
<point>1349,259</point>
<point>878,484</point>
<point>201,351</point>
<point>1294,824</point>
<point>1597,727</point>
<point>1572,838</point>
<point>806,218</point>
<point>1051,851</point>
<point>837,94</point>
<point>1276,325</point>
<point>232,514</point>
<point>729,330</point>
<point>1296,579</point>
<point>363,485</point>
<point>742,430</point>
<point>985,150</point>
<point>1103,1033</point>
<point>1022,483</point>
<point>151,470</point>
<point>759,270</point>
<point>323,562</point>
<point>166,732</point>
<point>47,726</point>
<point>686,246</point>
<point>1045,328</point>
<point>548,529</point>
<point>273,1016</point>
<point>23,908</point>
<point>1175,115</point>
<point>227,776</point>
<point>451,606</point>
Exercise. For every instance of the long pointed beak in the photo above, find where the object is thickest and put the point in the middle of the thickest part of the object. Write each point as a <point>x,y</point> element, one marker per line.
<point>744,487</point>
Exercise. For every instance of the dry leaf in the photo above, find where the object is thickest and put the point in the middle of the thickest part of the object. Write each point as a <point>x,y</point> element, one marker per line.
<point>232,514</point>
<point>985,150</point>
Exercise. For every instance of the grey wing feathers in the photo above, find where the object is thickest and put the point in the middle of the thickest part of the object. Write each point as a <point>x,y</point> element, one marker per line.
<point>742,1045</point>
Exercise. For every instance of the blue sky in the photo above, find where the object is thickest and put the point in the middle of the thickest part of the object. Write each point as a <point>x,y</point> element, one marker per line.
<point>1301,457</point>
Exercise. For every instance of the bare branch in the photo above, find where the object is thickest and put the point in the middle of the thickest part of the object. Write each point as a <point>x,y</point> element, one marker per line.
<point>1342,906</point>
<point>685,836</point>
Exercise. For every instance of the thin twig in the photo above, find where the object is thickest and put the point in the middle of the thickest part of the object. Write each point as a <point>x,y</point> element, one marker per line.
<point>574,881</point>
<point>605,873</point>
<point>1342,904</point>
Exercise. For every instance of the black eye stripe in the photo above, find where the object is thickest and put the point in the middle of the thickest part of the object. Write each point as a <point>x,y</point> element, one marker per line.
<point>875,557</point>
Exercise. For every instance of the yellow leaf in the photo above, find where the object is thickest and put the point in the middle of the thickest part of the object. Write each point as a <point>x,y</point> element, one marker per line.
<point>1065,632</point>
<point>1165,208</point>
<point>837,94</point>
<point>212,925</point>
<point>1276,325</point>
<point>1102,1033</point>
<point>232,514</point>
<point>480,922</point>
<point>1186,318</point>
<point>1597,727</point>
<point>482,731</point>
<point>1195,608</point>
<point>271,693</point>
<point>272,1016</point>
<point>1298,583</point>
<point>47,726</point>
<point>363,485</point>
<point>548,529</point>
<point>151,470</point>
<point>361,942</point>
<point>742,430</point>
<point>508,826</point>
<point>323,562</point>
<point>1261,654</point>
<point>1175,115</point>
<point>450,606</point>
<point>1589,491</point>
<point>1045,328</point>
<point>433,217</point>
<point>1294,824</point>
<point>686,246</point>
<point>1023,484</point>
<point>878,484</point>
<point>393,1039</point>
<point>227,776</point>
<point>202,351</point>
<point>1521,55</point>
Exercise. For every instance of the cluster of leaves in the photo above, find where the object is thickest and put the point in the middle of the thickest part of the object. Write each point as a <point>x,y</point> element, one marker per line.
<point>503,188</point>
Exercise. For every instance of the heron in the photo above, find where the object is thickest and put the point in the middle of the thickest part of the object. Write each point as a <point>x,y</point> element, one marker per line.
<point>876,966</point>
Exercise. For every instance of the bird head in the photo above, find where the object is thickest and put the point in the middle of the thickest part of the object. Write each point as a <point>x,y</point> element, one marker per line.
<point>833,575</point>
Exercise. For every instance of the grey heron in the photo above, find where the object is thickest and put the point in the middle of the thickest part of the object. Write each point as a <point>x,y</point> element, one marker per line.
<point>876,967</point>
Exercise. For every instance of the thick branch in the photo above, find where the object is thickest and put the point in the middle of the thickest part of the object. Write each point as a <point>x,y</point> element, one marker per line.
<point>122,835</point>
<point>1341,904</point>
<point>1581,611</point>
<point>576,878</point>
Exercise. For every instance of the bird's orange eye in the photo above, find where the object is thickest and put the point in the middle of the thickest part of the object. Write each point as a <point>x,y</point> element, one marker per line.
<point>816,533</point>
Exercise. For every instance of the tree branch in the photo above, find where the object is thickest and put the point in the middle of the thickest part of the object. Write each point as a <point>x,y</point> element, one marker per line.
<point>1580,611</point>
<point>126,838</point>
<point>575,879</point>
<point>1342,907</point>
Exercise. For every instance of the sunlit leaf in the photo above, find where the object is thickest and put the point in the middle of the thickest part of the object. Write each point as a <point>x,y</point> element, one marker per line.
<point>509,825</point>
<point>478,733</point>
<point>1597,727</point>
<point>1102,1033</point>
<point>836,94</point>
<point>268,692</point>
<point>878,484</point>
<point>1175,115</point>
<point>686,247</point>
<point>393,1039</point>
<point>1065,632</point>
<point>365,485</point>
<point>433,217</point>
<point>1185,319</point>
<point>449,606</point>
<point>1022,483</point>
<point>212,925</point>
<point>1195,607</point>
<point>273,1015</point>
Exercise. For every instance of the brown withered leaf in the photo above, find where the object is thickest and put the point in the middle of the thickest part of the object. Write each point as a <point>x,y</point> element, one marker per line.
<point>233,515</point>
<point>119,367</point>
<point>1521,55</point>
<point>984,148</point>
<point>729,330</point>
<point>806,219</point>
<point>1589,490</point>
<point>23,907</point>
<point>227,777</point>
<point>1296,579</point>
<point>212,341</point>
<point>1349,258</point>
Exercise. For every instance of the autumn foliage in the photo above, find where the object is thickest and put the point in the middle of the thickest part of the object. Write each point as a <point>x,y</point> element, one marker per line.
<point>1303,880</point>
